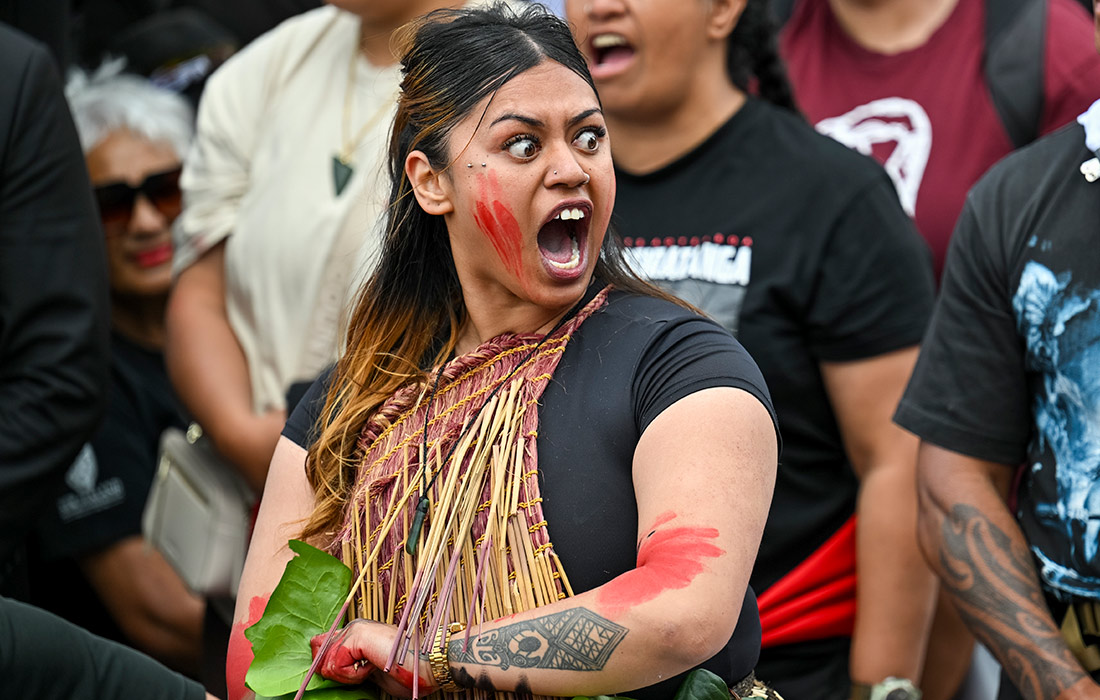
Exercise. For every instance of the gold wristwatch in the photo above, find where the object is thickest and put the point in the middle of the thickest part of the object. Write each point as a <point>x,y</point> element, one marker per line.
<point>438,661</point>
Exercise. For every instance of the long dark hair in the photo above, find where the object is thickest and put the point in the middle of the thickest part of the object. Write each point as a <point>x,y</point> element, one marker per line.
<point>409,312</point>
<point>753,61</point>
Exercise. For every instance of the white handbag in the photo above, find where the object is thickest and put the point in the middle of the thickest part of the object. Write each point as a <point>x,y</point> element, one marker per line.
<point>198,513</point>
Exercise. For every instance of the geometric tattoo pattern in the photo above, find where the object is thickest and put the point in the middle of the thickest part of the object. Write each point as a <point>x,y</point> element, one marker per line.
<point>574,640</point>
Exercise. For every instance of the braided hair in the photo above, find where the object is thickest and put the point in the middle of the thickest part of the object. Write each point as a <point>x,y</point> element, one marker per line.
<point>753,60</point>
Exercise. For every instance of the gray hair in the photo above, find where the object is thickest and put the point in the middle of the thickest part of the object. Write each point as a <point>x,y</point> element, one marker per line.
<point>109,100</point>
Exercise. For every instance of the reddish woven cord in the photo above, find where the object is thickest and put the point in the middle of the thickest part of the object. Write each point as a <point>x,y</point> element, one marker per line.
<point>391,440</point>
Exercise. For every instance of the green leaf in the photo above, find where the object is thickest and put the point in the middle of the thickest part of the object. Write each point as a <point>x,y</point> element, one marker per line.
<point>365,692</point>
<point>702,684</point>
<point>303,605</point>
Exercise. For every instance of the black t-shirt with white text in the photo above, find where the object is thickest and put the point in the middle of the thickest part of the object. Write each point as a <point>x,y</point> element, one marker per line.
<point>800,247</point>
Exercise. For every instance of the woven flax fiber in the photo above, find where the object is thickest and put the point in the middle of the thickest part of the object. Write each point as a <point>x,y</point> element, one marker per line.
<point>484,551</point>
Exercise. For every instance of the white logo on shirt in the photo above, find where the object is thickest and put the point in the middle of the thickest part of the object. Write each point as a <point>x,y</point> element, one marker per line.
<point>81,476</point>
<point>709,262</point>
<point>87,497</point>
<point>889,120</point>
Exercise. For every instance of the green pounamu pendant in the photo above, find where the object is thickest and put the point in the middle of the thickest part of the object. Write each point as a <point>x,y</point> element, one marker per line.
<point>341,174</point>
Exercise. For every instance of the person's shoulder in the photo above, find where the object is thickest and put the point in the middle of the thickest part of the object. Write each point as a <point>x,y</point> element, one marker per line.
<point>17,50</point>
<point>1067,16</point>
<point>26,64</point>
<point>1027,173</point>
<point>302,27</point>
<point>288,42</point>
<point>807,154</point>
<point>1071,62</point>
<point>646,309</point>
<point>675,351</point>
<point>648,317</point>
<point>799,17</point>
<point>1029,189</point>
<point>33,112</point>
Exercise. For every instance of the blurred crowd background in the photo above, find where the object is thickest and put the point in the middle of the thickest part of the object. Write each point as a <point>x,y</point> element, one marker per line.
<point>227,158</point>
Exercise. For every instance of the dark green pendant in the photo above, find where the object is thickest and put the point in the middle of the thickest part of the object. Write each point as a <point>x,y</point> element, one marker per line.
<point>413,538</point>
<point>341,174</point>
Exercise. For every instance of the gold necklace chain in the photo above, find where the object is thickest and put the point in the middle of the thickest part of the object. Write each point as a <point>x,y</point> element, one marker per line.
<point>348,146</point>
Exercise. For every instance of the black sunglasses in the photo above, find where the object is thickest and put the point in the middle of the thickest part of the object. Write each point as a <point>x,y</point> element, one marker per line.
<point>116,200</point>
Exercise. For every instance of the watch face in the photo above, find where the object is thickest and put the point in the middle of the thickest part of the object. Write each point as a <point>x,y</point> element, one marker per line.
<point>895,689</point>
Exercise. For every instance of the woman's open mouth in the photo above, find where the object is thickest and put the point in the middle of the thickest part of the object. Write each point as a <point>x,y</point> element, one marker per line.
<point>562,242</point>
<point>612,54</point>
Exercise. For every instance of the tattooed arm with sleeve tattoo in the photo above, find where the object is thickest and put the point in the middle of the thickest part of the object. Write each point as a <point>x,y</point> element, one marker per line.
<point>677,608</point>
<point>972,540</point>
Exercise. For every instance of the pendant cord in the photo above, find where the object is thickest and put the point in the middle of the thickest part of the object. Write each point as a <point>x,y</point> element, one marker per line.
<point>422,505</point>
<point>424,443</point>
<point>348,146</point>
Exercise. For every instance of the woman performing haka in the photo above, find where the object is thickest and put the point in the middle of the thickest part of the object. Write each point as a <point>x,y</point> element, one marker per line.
<point>547,477</point>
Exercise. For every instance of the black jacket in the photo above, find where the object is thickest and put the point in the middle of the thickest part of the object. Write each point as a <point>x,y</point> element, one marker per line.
<point>47,658</point>
<point>54,315</point>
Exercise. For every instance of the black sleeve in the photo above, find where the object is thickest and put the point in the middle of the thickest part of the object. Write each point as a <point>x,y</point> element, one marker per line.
<point>301,427</point>
<point>688,355</point>
<point>54,348</point>
<point>45,657</point>
<point>968,392</point>
<point>76,524</point>
<point>875,290</point>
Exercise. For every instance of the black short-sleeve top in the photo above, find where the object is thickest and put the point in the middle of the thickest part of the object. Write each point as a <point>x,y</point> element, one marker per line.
<point>626,364</point>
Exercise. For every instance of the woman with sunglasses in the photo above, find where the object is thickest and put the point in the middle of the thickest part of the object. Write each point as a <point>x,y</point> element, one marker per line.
<point>550,475</point>
<point>133,135</point>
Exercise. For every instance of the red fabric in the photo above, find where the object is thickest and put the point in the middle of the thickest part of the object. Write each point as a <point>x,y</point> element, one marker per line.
<point>816,599</point>
<point>937,130</point>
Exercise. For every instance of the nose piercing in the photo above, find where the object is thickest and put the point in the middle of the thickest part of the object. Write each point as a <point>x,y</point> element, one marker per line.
<point>587,177</point>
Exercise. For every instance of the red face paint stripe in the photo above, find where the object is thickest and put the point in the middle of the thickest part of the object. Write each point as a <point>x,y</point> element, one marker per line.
<point>489,226</point>
<point>498,223</point>
<point>508,224</point>
<point>510,236</point>
<point>239,654</point>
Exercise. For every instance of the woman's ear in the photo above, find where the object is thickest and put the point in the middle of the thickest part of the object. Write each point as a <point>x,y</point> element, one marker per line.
<point>724,15</point>
<point>429,186</point>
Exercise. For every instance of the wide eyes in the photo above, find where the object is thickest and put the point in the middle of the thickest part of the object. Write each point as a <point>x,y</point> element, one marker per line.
<point>527,146</point>
<point>588,140</point>
<point>522,147</point>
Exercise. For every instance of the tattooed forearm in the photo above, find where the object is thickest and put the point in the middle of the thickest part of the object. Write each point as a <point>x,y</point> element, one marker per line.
<point>992,579</point>
<point>574,640</point>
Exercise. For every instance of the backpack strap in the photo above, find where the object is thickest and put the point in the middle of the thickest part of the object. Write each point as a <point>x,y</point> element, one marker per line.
<point>1015,37</point>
